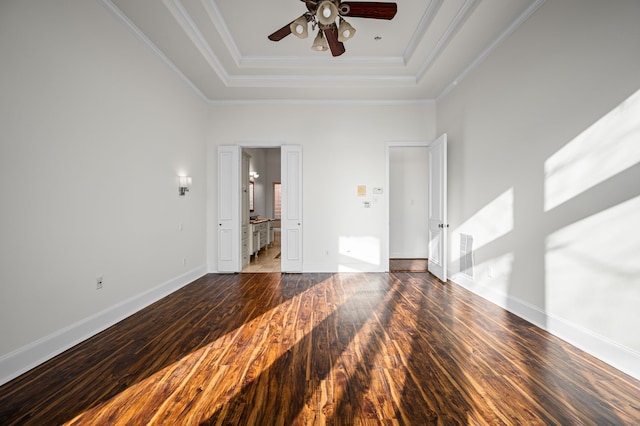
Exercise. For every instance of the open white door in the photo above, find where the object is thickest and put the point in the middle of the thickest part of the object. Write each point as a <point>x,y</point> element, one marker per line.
<point>291,225</point>
<point>228,208</point>
<point>438,208</point>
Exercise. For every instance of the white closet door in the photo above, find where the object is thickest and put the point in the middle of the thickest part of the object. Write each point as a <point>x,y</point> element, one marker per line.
<point>229,208</point>
<point>291,232</point>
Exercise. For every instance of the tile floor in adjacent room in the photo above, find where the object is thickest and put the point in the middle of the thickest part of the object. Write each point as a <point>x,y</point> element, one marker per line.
<point>267,260</point>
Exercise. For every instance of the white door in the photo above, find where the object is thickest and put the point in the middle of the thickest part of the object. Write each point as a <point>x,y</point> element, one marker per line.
<point>291,225</point>
<point>228,208</point>
<point>438,208</point>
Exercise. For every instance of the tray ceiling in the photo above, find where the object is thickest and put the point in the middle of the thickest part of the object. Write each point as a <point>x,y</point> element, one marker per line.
<point>220,47</point>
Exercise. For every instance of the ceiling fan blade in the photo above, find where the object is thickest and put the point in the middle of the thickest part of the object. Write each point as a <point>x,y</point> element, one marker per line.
<point>281,33</point>
<point>331,34</point>
<point>368,9</point>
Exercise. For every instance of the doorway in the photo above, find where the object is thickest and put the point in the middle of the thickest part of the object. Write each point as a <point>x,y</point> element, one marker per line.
<point>408,207</point>
<point>233,216</point>
<point>264,216</point>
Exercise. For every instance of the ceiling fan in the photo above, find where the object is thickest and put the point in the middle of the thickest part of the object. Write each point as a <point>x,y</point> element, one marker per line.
<point>324,13</point>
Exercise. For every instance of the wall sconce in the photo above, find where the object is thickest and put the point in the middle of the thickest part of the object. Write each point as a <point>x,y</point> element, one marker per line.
<point>184,184</point>
<point>253,176</point>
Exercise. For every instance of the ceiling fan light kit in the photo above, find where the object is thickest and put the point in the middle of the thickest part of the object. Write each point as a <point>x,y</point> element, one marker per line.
<point>327,12</point>
<point>324,13</point>
<point>345,31</point>
<point>320,43</point>
<point>299,27</point>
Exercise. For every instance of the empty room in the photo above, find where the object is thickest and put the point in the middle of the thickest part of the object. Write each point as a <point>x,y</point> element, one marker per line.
<point>205,202</point>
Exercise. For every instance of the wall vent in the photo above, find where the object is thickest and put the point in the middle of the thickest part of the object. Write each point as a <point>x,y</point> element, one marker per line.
<point>466,255</point>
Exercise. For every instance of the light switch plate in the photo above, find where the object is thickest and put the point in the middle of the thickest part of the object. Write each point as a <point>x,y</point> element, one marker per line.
<point>377,191</point>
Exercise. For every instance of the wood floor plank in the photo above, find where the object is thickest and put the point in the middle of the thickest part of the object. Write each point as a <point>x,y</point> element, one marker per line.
<point>314,349</point>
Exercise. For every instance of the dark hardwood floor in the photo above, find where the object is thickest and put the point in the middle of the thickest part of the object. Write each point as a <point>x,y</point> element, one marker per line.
<point>246,349</point>
<point>408,265</point>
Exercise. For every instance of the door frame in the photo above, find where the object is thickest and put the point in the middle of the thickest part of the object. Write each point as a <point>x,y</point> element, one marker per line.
<point>250,145</point>
<point>387,172</point>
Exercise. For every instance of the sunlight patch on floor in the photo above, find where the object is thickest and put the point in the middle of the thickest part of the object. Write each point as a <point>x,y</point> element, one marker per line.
<point>216,358</point>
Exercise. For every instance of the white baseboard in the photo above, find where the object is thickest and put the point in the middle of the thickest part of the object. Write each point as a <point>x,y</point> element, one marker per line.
<point>399,255</point>
<point>614,354</point>
<point>310,268</point>
<point>29,356</point>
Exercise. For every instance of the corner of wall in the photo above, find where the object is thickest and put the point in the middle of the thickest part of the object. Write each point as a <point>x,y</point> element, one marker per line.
<point>29,356</point>
<point>610,352</point>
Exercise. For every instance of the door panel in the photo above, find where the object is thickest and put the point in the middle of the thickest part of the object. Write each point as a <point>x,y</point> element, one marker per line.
<point>438,208</point>
<point>228,208</point>
<point>291,257</point>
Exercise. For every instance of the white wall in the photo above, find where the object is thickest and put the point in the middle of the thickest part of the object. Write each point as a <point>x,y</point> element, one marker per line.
<point>338,232</point>
<point>408,202</point>
<point>543,172</point>
<point>94,131</point>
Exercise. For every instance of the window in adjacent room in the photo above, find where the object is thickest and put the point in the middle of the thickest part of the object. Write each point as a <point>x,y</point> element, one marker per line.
<point>251,196</point>
<point>277,211</point>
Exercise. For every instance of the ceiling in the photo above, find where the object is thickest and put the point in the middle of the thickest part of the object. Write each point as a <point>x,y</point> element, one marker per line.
<point>220,47</point>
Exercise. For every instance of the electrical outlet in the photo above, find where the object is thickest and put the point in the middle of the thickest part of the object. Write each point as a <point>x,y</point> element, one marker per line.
<point>98,283</point>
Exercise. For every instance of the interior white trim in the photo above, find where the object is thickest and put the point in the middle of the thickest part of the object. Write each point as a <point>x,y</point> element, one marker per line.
<point>462,15</point>
<point>329,61</point>
<point>138,33</point>
<point>236,80</point>
<point>191,30</point>
<point>372,102</point>
<point>222,28</point>
<point>385,194</point>
<point>320,80</point>
<point>428,16</point>
<point>29,356</point>
<point>493,46</point>
<point>620,357</point>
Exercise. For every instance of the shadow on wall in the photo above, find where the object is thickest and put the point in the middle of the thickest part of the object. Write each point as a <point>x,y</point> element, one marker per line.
<point>589,198</point>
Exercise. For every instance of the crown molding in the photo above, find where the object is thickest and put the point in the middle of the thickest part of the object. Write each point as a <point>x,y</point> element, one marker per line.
<point>190,28</point>
<point>463,14</point>
<point>221,26</point>
<point>345,102</point>
<point>118,14</point>
<point>521,19</point>
<point>186,23</point>
<point>303,62</point>
<point>320,80</point>
<point>419,33</point>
